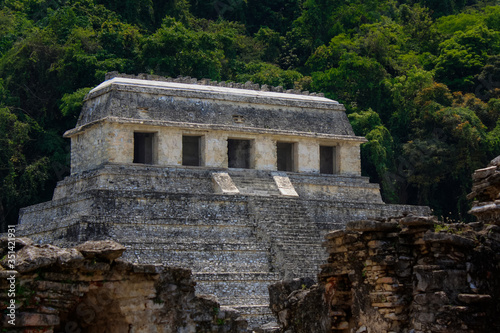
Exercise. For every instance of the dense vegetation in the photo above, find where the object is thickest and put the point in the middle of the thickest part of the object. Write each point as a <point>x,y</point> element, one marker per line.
<point>419,78</point>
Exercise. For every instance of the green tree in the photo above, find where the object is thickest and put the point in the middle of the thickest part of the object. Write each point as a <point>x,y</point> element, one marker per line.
<point>418,25</point>
<point>272,42</point>
<point>265,73</point>
<point>488,80</point>
<point>463,56</point>
<point>356,82</point>
<point>174,49</point>
<point>277,15</point>
<point>449,143</point>
<point>377,155</point>
<point>403,90</point>
<point>21,178</point>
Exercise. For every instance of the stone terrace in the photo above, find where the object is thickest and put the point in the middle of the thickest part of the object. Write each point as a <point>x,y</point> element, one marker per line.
<point>236,245</point>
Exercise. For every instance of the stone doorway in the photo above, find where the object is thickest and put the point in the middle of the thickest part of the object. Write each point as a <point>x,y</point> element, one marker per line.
<point>328,160</point>
<point>143,148</point>
<point>285,156</point>
<point>191,150</point>
<point>238,153</point>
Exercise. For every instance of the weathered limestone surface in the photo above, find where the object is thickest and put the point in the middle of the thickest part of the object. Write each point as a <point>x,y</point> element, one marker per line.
<point>400,275</point>
<point>486,193</point>
<point>235,244</point>
<point>89,289</point>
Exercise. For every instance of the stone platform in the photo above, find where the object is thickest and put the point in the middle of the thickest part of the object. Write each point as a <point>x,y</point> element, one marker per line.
<point>236,243</point>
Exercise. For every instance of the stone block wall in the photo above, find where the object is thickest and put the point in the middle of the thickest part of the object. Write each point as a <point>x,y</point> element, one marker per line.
<point>407,274</point>
<point>486,193</point>
<point>113,141</point>
<point>83,158</point>
<point>89,289</point>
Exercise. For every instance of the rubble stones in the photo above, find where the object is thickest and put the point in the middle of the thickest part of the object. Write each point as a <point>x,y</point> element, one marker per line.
<point>371,225</point>
<point>59,289</point>
<point>486,193</point>
<point>106,249</point>
<point>447,238</point>
<point>32,257</point>
<point>495,161</point>
<point>409,276</point>
<point>20,242</point>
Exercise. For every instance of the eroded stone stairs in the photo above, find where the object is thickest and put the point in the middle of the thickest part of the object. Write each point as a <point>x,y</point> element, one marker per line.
<point>260,183</point>
<point>217,241</point>
<point>296,238</point>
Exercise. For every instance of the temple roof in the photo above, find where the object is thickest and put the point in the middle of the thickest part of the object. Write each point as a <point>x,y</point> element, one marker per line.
<point>205,104</point>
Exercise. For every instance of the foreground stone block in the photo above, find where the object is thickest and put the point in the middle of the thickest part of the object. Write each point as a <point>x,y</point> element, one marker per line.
<point>106,249</point>
<point>411,279</point>
<point>30,257</point>
<point>55,295</point>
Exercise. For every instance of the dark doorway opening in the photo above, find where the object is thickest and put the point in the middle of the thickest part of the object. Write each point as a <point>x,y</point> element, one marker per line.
<point>191,153</point>
<point>285,156</point>
<point>143,148</point>
<point>238,153</point>
<point>327,157</point>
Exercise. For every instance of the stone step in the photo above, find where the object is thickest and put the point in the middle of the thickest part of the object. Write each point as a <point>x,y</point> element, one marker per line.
<point>305,234</point>
<point>228,289</point>
<point>243,301</point>
<point>294,237</point>
<point>198,245</point>
<point>240,221</point>
<point>280,206</point>
<point>283,216</point>
<point>311,256</point>
<point>296,240</point>
<point>237,276</point>
<point>296,232</point>
<point>262,187</point>
<point>256,315</point>
<point>259,184</point>
<point>255,187</point>
<point>301,245</point>
<point>257,192</point>
<point>203,262</point>
<point>305,256</point>
<point>254,182</point>
<point>215,233</point>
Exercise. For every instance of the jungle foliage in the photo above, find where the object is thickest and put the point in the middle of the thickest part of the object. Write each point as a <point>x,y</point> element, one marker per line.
<point>420,79</point>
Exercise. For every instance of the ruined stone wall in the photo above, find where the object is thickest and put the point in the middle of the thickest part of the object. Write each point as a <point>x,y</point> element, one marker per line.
<point>408,274</point>
<point>486,193</point>
<point>89,289</point>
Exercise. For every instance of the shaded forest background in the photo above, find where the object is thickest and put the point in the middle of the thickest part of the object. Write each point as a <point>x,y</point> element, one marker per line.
<point>420,78</point>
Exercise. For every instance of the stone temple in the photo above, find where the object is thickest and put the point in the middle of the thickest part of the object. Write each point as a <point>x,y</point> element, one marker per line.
<point>235,181</point>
